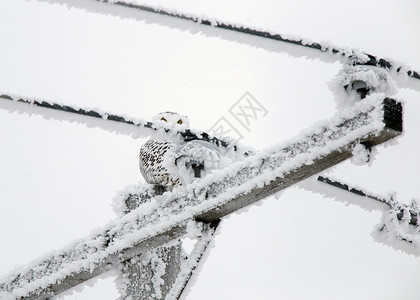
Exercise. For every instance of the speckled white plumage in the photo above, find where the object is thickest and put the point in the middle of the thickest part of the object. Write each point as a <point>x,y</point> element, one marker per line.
<point>157,156</point>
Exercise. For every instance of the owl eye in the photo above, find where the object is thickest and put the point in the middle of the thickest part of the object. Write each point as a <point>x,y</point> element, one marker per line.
<point>179,121</point>
<point>163,119</point>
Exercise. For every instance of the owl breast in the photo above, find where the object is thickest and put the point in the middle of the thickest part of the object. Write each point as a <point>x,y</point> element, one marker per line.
<point>154,159</point>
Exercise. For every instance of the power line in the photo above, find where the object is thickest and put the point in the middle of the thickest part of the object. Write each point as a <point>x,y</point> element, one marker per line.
<point>186,134</point>
<point>353,55</point>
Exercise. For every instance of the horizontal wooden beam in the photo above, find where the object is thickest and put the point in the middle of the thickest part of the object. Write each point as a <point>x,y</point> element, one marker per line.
<point>372,120</point>
<point>305,170</point>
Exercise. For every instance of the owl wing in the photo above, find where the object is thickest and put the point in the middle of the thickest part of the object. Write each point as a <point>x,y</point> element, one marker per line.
<point>153,163</point>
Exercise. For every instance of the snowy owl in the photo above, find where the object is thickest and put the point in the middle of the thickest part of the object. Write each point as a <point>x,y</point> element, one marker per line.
<point>171,163</point>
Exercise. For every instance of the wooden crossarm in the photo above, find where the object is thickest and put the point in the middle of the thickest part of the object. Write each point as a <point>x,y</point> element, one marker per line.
<point>208,199</point>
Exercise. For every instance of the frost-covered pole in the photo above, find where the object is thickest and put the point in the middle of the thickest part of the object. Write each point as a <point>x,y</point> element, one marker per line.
<point>222,192</point>
<point>152,274</point>
<point>138,279</point>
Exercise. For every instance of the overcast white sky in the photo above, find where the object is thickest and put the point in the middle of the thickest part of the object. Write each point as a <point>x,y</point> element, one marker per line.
<point>58,178</point>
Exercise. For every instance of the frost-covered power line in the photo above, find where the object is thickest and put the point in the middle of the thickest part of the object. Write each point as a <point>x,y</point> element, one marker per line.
<point>148,127</point>
<point>351,55</point>
<point>401,221</point>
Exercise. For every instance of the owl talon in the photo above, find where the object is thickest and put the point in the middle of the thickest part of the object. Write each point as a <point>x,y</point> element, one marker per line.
<point>168,197</point>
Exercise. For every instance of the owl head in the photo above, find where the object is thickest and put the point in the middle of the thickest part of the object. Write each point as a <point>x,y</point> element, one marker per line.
<point>172,118</point>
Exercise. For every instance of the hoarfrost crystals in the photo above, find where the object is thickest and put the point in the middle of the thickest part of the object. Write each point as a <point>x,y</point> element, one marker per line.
<point>402,223</point>
<point>360,154</point>
<point>354,83</point>
<point>142,275</point>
